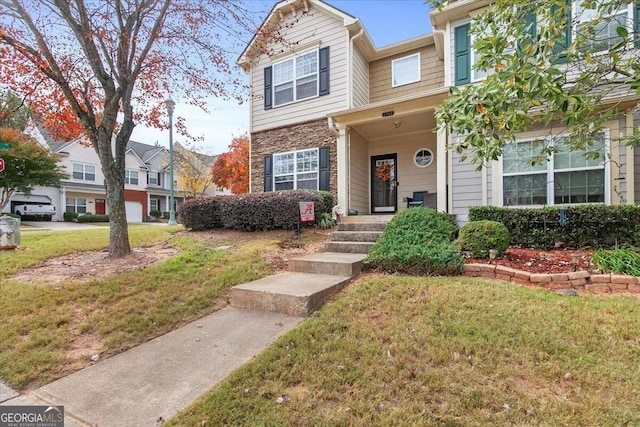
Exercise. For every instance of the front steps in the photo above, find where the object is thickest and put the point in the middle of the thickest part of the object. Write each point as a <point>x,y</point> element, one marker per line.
<point>312,279</point>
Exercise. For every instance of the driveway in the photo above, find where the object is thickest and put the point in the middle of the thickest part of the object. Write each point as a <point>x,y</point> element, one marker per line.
<point>54,226</point>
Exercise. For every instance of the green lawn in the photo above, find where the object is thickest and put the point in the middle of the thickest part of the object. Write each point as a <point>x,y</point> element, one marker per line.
<point>399,351</point>
<point>49,331</point>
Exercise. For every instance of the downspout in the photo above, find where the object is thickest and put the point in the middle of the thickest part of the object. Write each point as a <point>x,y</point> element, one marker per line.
<point>350,82</point>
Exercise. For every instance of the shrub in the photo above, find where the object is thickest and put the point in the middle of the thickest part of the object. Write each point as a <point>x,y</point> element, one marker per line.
<point>93,218</point>
<point>478,237</point>
<point>622,261</point>
<point>249,212</point>
<point>327,199</point>
<point>417,241</point>
<point>166,215</point>
<point>325,221</point>
<point>201,213</point>
<point>155,213</point>
<point>69,216</point>
<point>267,211</point>
<point>586,226</point>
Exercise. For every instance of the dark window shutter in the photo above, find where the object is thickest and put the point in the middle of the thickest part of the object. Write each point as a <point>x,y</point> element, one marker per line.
<point>462,43</point>
<point>566,40</point>
<point>267,88</point>
<point>268,173</point>
<point>324,169</point>
<point>324,70</point>
<point>636,23</point>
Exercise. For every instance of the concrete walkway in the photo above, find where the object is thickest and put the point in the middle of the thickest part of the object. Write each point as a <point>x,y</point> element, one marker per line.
<point>159,378</point>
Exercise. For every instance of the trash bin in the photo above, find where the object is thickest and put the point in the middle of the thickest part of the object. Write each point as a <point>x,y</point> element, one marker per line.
<point>7,232</point>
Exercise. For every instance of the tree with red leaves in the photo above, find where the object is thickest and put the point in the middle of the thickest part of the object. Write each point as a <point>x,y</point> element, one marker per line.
<point>231,169</point>
<point>95,69</point>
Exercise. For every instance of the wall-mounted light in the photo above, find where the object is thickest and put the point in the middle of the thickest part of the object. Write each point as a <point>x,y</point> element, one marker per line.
<point>397,124</point>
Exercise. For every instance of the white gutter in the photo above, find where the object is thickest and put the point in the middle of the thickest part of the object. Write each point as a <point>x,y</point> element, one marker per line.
<point>350,65</point>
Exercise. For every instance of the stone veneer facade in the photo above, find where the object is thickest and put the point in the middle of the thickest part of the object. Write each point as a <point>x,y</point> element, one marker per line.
<point>300,136</point>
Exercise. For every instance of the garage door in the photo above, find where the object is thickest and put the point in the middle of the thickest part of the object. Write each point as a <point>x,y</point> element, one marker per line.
<point>134,211</point>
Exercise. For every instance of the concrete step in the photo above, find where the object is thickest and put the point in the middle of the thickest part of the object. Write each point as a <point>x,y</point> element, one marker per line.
<point>294,294</point>
<point>367,218</point>
<point>338,264</point>
<point>355,236</point>
<point>362,226</point>
<point>348,247</point>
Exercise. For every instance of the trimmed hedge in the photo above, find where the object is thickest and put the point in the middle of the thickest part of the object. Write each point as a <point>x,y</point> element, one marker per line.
<point>249,212</point>
<point>479,237</point>
<point>93,218</point>
<point>417,241</point>
<point>327,198</point>
<point>69,216</point>
<point>586,226</point>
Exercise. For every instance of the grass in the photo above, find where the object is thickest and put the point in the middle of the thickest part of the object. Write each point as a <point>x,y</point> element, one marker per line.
<point>625,260</point>
<point>47,332</point>
<point>36,246</point>
<point>398,351</point>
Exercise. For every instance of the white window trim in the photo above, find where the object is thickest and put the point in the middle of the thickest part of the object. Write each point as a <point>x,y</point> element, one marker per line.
<point>575,22</point>
<point>127,176</point>
<point>295,77</point>
<point>549,171</point>
<point>393,68</point>
<point>84,171</point>
<point>75,204</point>
<point>295,166</point>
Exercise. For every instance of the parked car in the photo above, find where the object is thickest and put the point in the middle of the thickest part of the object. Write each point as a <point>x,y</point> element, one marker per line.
<point>39,212</point>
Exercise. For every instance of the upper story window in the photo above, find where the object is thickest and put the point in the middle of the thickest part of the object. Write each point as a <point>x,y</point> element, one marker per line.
<point>84,172</point>
<point>405,70</point>
<point>605,25</point>
<point>297,78</point>
<point>296,170</point>
<point>568,177</point>
<point>130,177</point>
<point>153,178</point>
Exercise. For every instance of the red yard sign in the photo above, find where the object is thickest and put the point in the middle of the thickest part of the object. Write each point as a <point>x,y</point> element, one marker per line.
<point>1,164</point>
<point>306,212</point>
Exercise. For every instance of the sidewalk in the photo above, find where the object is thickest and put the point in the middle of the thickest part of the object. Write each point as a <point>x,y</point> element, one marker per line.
<point>157,379</point>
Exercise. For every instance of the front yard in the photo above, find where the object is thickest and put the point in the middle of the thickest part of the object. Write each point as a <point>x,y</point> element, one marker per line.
<point>52,324</point>
<point>410,351</point>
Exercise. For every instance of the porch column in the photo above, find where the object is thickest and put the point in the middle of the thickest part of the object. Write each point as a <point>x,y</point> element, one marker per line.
<point>63,203</point>
<point>342,152</point>
<point>441,170</point>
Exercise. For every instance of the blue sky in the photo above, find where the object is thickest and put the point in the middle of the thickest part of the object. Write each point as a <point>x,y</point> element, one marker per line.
<point>387,21</point>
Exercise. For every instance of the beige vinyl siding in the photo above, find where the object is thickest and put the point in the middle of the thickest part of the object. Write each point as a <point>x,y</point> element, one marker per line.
<point>466,188</point>
<point>410,177</point>
<point>431,75</point>
<point>359,173</point>
<point>360,79</point>
<point>304,32</point>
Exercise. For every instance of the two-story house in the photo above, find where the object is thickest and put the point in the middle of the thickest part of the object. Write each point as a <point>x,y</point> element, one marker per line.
<point>146,180</point>
<point>330,111</point>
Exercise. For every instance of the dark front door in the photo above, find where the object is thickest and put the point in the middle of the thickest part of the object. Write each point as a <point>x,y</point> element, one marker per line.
<point>100,207</point>
<point>383,183</point>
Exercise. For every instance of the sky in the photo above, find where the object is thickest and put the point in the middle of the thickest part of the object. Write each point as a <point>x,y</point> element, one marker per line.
<point>386,21</point>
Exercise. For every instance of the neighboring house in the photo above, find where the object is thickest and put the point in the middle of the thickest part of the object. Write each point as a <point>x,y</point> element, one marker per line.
<point>330,111</point>
<point>146,180</point>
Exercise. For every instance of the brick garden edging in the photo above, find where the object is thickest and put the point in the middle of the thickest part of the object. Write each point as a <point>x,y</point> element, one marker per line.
<point>578,280</point>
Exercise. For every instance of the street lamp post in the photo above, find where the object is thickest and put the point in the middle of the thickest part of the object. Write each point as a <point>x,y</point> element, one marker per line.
<point>172,212</point>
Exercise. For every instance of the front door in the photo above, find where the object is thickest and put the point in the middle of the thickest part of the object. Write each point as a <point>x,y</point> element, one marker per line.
<point>383,183</point>
<point>100,207</point>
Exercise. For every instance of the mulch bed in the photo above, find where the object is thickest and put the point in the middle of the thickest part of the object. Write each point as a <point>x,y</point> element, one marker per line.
<point>539,261</point>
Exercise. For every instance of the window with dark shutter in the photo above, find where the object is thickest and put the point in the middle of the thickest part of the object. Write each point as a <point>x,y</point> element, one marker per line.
<point>324,71</point>
<point>462,55</point>
<point>268,84</point>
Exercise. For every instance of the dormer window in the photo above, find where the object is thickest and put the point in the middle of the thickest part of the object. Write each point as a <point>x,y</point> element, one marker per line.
<point>405,70</point>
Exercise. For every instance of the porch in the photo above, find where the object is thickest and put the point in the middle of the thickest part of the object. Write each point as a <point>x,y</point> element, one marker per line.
<point>390,152</point>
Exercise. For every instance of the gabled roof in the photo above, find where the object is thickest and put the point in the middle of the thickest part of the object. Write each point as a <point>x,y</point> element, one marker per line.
<point>278,12</point>
<point>144,151</point>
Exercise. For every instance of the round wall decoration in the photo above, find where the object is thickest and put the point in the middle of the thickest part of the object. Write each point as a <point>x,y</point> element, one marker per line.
<point>423,157</point>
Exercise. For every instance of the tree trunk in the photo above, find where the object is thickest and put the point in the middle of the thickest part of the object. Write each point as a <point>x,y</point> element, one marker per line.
<point>118,227</point>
